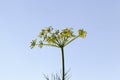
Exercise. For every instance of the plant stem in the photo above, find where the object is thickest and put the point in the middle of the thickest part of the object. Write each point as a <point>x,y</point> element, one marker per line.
<point>63,64</point>
<point>71,40</point>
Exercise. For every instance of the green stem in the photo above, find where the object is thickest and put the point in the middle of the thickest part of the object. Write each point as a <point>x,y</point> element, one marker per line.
<point>50,45</point>
<point>71,40</point>
<point>63,64</point>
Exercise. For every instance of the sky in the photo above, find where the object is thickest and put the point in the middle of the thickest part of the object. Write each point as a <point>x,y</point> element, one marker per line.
<point>95,58</point>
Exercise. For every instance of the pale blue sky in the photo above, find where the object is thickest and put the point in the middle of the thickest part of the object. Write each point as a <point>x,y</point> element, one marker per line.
<point>95,58</point>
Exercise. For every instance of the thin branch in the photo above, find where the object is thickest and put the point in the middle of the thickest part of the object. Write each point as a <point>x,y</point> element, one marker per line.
<point>71,40</point>
<point>51,45</point>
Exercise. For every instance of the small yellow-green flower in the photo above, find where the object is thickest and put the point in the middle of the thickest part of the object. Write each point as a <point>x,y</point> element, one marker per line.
<point>40,44</point>
<point>33,43</point>
<point>82,33</point>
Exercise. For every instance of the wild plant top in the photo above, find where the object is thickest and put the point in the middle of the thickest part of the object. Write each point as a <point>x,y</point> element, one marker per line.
<point>56,38</point>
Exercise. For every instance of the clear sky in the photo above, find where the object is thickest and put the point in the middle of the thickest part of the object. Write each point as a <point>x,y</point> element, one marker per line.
<point>95,58</point>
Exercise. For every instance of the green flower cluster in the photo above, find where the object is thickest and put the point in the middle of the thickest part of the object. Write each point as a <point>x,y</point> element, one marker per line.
<point>48,37</point>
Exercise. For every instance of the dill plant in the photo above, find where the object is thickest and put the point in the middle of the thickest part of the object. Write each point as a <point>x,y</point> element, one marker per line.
<point>58,39</point>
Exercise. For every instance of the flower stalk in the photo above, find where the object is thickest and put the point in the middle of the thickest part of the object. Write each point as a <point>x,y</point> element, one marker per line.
<point>63,64</point>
